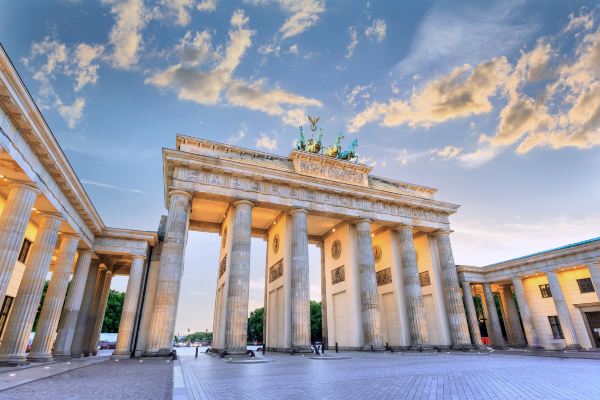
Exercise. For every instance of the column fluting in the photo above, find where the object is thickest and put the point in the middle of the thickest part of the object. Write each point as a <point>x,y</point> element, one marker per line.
<point>83,315</point>
<point>533,340</point>
<point>459,328</point>
<point>93,313</point>
<point>300,282</point>
<point>497,338</point>
<point>594,269</point>
<point>97,329</point>
<point>412,288</point>
<point>72,306</point>
<point>20,323</point>
<point>324,328</point>
<point>471,314</point>
<point>371,317</point>
<point>236,319</point>
<point>162,325</point>
<point>564,315</point>
<point>41,347</point>
<point>13,223</point>
<point>123,346</point>
<point>512,318</point>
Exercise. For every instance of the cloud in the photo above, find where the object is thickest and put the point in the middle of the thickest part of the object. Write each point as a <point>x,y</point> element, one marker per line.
<point>126,34</point>
<point>353,42</point>
<point>358,92</point>
<point>241,133</point>
<point>266,142</point>
<point>293,49</point>
<point>583,20</point>
<point>207,5</point>
<point>377,30</point>
<point>304,14</point>
<point>109,186</point>
<point>178,9</point>
<point>463,92</point>
<point>449,152</point>
<point>73,113</point>
<point>216,84</point>
<point>87,70</point>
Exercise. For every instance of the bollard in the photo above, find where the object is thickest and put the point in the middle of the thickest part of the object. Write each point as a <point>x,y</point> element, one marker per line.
<point>372,348</point>
<point>336,347</point>
<point>196,352</point>
<point>323,349</point>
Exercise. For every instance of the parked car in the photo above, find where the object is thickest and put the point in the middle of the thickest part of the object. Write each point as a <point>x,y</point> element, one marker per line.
<point>105,345</point>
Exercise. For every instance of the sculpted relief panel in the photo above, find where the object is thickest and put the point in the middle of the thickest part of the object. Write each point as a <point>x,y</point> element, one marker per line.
<point>330,172</point>
<point>333,199</point>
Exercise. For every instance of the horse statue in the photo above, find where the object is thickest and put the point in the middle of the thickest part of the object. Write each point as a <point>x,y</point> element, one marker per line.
<point>314,146</point>
<point>336,149</point>
<point>349,154</point>
<point>299,143</point>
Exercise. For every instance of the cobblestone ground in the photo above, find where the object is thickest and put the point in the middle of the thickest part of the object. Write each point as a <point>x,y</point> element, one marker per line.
<point>125,379</point>
<point>393,376</point>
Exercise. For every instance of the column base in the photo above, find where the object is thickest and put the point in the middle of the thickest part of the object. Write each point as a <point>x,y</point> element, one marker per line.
<point>462,346</point>
<point>39,357</point>
<point>573,347</point>
<point>120,356</point>
<point>500,347</point>
<point>534,347</point>
<point>302,349</point>
<point>421,347</point>
<point>62,356</point>
<point>158,353</point>
<point>76,355</point>
<point>373,348</point>
<point>16,361</point>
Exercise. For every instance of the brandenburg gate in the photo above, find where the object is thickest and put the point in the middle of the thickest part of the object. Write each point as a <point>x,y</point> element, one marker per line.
<point>388,273</point>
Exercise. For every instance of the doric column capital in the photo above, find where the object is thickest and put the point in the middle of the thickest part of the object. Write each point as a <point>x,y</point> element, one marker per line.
<point>86,251</point>
<point>69,236</point>
<point>403,227</point>
<point>51,215</point>
<point>243,201</point>
<point>441,232</point>
<point>180,192</point>
<point>138,257</point>
<point>298,210</point>
<point>24,186</point>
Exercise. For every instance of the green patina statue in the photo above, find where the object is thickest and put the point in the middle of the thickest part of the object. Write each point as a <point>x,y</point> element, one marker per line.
<point>315,146</point>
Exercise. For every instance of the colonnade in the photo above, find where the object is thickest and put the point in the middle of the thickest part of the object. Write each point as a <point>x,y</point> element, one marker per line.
<point>517,317</point>
<point>69,323</point>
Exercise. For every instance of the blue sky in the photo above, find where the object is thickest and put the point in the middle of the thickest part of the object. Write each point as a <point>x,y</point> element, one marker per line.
<point>497,104</point>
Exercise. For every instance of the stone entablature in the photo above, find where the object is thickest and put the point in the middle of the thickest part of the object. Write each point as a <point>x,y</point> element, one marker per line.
<point>124,242</point>
<point>225,178</point>
<point>578,254</point>
<point>330,168</point>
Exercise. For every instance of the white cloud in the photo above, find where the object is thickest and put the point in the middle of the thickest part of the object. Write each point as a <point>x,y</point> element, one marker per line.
<point>86,69</point>
<point>126,34</point>
<point>109,186</point>
<point>583,20</point>
<point>207,5</point>
<point>241,133</point>
<point>293,49</point>
<point>353,42</point>
<point>377,31</point>
<point>72,113</point>
<point>449,152</point>
<point>216,85</point>
<point>266,142</point>
<point>304,14</point>
<point>179,9</point>
<point>358,92</point>
<point>464,91</point>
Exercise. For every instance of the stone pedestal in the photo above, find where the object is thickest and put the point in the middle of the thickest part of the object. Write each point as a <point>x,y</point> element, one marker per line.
<point>41,347</point>
<point>459,328</point>
<point>20,323</point>
<point>83,316</point>
<point>471,314</point>
<point>13,223</point>
<point>511,318</point>
<point>70,312</point>
<point>371,318</point>
<point>236,318</point>
<point>162,325</point>
<point>300,286</point>
<point>123,346</point>
<point>533,340</point>
<point>412,287</point>
<point>564,315</point>
<point>496,334</point>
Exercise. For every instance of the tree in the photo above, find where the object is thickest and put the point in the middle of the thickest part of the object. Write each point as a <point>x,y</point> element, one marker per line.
<point>199,337</point>
<point>39,309</point>
<point>114,307</point>
<point>316,332</point>
<point>255,325</point>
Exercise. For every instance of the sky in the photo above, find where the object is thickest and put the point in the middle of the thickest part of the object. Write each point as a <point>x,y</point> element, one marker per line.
<point>495,103</point>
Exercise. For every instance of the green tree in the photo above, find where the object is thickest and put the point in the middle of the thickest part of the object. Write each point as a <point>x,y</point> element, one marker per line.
<point>199,337</point>
<point>39,310</point>
<point>114,306</point>
<point>316,332</point>
<point>255,325</point>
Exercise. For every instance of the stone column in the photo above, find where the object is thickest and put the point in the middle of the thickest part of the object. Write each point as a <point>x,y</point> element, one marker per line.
<point>41,348</point>
<point>18,328</point>
<point>511,318</point>
<point>300,287</point>
<point>471,314</point>
<point>594,268</point>
<point>162,325</point>
<point>93,314</point>
<point>236,319</point>
<point>459,328</point>
<point>93,345</point>
<point>412,287</point>
<point>496,334</point>
<point>13,223</point>
<point>84,313</point>
<point>66,327</point>
<point>564,315</point>
<point>134,284</point>
<point>371,318</point>
<point>324,329</point>
<point>528,325</point>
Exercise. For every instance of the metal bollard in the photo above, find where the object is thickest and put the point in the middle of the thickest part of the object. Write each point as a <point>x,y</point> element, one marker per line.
<point>336,347</point>
<point>196,352</point>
